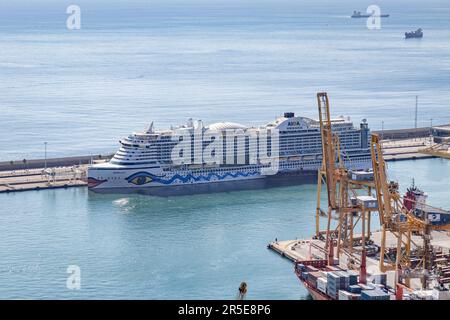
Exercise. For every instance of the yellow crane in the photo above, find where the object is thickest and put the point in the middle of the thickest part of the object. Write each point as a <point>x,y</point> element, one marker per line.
<point>342,193</point>
<point>403,223</point>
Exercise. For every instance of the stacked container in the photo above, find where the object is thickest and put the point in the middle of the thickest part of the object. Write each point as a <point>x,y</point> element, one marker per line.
<point>336,281</point>
<point>344,279</point>
<point>311,269</point>
<point>345,295</point>
<point>304,275</point>
<point>333,284</point>
<point>353,277</point>
<point>312,278</point>
<point>354,289</point>
<point>322,284</point>
<point>380,278</point>
<point>367,286</point>
<point>375,294</point>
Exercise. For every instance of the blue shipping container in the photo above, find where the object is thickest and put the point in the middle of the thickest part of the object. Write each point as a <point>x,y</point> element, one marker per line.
<point>374,295</point>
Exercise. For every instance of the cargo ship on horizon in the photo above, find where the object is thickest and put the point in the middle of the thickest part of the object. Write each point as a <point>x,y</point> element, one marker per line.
<point>358,14</point>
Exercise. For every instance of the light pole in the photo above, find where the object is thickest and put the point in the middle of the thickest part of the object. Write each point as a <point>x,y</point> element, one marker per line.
<point>382,130</point>
<point>45,155</point>
<point>431,131</point>
<point>415,113</point>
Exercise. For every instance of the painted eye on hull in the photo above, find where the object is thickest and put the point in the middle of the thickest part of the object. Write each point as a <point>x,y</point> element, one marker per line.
<point>140,178</point>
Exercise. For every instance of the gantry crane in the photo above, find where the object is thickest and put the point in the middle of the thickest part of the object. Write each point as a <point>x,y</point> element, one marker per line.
<point>395,217</point>
<point>342,194</point>
<point>403,222</point>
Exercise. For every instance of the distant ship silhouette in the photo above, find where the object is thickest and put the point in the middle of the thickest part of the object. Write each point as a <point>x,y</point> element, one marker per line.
<point>358,14</point>
<point>414,34</point>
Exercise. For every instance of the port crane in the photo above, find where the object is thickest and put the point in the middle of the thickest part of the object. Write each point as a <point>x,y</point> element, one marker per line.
<point>408,259</point>
<point>342,195</point>
<point>404,218</point>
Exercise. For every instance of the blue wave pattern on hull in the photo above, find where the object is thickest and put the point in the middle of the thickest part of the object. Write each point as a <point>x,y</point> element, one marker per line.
<point>190,177</point>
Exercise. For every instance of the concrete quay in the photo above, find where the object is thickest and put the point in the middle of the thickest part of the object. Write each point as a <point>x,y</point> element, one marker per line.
<point>406,149</point>
<point>39,179</point>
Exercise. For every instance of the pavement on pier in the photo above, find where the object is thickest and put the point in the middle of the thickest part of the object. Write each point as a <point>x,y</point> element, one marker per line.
<point>37,179</point>
<point>406,149</point>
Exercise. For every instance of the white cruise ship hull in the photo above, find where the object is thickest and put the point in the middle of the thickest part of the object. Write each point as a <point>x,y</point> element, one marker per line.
<point>108,178</point>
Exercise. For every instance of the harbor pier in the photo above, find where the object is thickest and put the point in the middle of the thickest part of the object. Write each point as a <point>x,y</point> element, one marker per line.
<point>38,179</point>
<point>42,174</point>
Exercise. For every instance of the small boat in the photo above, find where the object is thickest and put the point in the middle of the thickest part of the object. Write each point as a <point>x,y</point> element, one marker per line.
<point>414,34</point>
<point>358,14</point>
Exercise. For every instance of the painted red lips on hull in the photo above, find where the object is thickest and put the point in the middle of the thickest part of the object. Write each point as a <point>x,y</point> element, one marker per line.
<point>92,182</point>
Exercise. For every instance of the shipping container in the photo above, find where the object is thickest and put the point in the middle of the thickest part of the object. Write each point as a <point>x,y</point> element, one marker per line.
<point>332,268</point>
<point>367,201</point>
<point>353,277</point>
<point>367,286</point>
<point>422,295</point>
<point>322,285</point>
<point>354,288</point>
<point>361,175</point>
<point>311,269</point>
<point>345,295</point>
<point>312,278</point>
<point>375,294</point>
<point>380,278</point>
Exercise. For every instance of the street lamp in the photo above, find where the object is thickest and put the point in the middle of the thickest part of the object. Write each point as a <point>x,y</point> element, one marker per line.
<point>45,155</point>
<point>431,131</point>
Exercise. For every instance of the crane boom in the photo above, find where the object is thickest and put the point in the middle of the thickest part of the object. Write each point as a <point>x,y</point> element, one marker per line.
<point>328,148</point>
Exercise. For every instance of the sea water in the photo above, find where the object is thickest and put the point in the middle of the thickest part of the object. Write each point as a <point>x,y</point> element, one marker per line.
<point>187,247</point>
<point>133,62</point>
<point>137,61</point>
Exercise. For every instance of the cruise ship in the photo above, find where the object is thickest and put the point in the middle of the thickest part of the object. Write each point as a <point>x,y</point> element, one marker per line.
<point>226,156</point>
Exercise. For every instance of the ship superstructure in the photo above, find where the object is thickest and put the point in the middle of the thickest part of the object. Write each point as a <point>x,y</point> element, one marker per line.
<point>188,158</point>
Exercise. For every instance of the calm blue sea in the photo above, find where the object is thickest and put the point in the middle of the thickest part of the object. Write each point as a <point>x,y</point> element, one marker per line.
<point>190,247</point>
<point>134,62</point>
<point>138,61</point>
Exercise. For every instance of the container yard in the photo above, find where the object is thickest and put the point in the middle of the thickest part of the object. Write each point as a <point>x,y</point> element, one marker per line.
<point>407,256</point>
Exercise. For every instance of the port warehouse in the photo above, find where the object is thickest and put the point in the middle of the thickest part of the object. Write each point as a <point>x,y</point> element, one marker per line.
<point>438,132</point>
<point>51,162</point>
